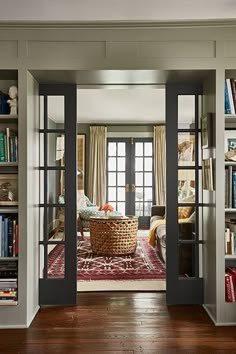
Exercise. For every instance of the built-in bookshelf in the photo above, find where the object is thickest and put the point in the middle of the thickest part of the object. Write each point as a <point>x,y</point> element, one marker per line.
<point>230,190</point>
<point>9,234</point>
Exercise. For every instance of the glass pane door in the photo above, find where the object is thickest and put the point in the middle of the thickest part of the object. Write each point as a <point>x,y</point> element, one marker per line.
<point>183,236</point>
<point>117,175</point>
<point>57,194</point>
<point>143,179</point>
<point>130,177</point>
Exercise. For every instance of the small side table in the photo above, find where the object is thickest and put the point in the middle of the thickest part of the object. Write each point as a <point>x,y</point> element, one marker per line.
<point>112,236</point>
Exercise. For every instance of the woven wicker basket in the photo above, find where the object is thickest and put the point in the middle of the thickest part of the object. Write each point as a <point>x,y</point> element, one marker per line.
<point>113,237</point>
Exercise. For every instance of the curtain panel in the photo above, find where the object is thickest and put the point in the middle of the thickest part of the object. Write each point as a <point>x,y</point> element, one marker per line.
<point>160,164</point>
<point>97,165</point>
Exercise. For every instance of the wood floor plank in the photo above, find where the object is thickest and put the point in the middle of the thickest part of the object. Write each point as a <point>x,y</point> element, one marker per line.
<point>120,323</point>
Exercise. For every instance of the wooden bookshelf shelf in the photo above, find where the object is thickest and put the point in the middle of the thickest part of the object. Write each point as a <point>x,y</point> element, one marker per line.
<point>8,210</point>
<point>9,304</point>
<point>7,203</point>
<point>8,164</point>
<point>230,257</point>
<point>230,210</point>
<point>230,163</point>
<point>8,116</point>
<point>231,116</point>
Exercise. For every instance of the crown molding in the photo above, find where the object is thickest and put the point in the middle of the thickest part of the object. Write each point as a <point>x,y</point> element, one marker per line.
<point>116,24</point>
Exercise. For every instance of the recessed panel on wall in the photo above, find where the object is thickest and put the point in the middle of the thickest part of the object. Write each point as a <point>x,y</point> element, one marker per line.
<point>230,49</point>
<point>64,50</point>
<point>177,49</point>
<point>8,49</point>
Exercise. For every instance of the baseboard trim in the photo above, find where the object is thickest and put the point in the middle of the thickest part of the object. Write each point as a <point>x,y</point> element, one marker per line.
<point>34,314</point>
<point>209,314</point>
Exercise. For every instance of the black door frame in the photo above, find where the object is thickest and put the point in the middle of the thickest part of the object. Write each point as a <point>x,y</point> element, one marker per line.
<point>61,291</point>
<point>180,290</point>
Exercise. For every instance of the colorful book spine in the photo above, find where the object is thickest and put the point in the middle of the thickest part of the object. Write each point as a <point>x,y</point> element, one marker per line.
<point>17,240</point>
<point>234,189</point>
<point>227,104</point>
<point>232,271</point>
<point>231,101</point>
<point>228,291</point>
<point>2,147</point>
<point>10,237</point>
<point>230,186</point>
<point>5,237</point>
<point>1,254</point>
<point>226,188</point>
<point>233,88</point>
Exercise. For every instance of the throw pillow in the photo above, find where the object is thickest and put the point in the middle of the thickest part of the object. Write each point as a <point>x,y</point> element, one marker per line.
<point>88,202</point>
<point>155,217</point>
<point>184,212</point>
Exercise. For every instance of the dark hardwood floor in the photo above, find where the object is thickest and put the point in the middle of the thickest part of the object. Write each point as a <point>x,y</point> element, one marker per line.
<point>120,322</point>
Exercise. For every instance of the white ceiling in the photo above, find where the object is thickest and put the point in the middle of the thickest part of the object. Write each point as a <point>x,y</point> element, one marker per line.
<point>119,10</point>
<point>121,106</point>
<point>145,105</point>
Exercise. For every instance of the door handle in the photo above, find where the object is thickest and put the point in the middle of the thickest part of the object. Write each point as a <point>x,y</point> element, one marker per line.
<point>127,187</point>
<point>133,188</point>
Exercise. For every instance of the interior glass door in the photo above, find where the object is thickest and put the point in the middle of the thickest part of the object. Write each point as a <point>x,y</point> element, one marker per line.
<point>183,194</point>
<point>57,194</point>
<point>118,176</point>
<point>142,179</point>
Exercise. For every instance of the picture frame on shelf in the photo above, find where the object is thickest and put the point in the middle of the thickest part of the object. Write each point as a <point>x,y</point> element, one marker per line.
<point>230,145</point>
<point>8,189</point>
<point>207,174</point>
<point>206,131</point>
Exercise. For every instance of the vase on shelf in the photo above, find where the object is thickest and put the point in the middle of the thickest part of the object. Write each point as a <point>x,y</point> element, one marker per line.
<point>106,213</point>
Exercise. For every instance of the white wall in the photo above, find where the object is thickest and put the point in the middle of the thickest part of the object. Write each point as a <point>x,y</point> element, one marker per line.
<point>32,198</point>
<point>122,10</point>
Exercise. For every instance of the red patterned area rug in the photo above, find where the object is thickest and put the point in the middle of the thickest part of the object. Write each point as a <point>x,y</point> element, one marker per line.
<point>144,265</point>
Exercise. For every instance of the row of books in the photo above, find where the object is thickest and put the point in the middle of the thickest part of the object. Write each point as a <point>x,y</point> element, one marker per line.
<point>230,187</point>
<point>8,269</point>
<point>8,146</point>
<point>9,239</point>
<point>8,291</point>
<point>230,96</point>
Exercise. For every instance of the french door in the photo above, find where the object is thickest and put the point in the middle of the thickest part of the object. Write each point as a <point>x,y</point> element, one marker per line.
<point>183,192</point>
<point>58,204</point>
<point>130,176</point>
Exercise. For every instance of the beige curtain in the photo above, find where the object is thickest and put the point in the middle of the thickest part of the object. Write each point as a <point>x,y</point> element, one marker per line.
<point>97,165</point>
<point>160,164</point>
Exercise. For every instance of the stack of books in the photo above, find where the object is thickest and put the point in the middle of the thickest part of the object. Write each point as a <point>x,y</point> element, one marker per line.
<point>230,96</point>
<point>8,282</point>
<point>8,291</point>
<point>230,284</point>
<point>8,236</point>
<point>8,146</point>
